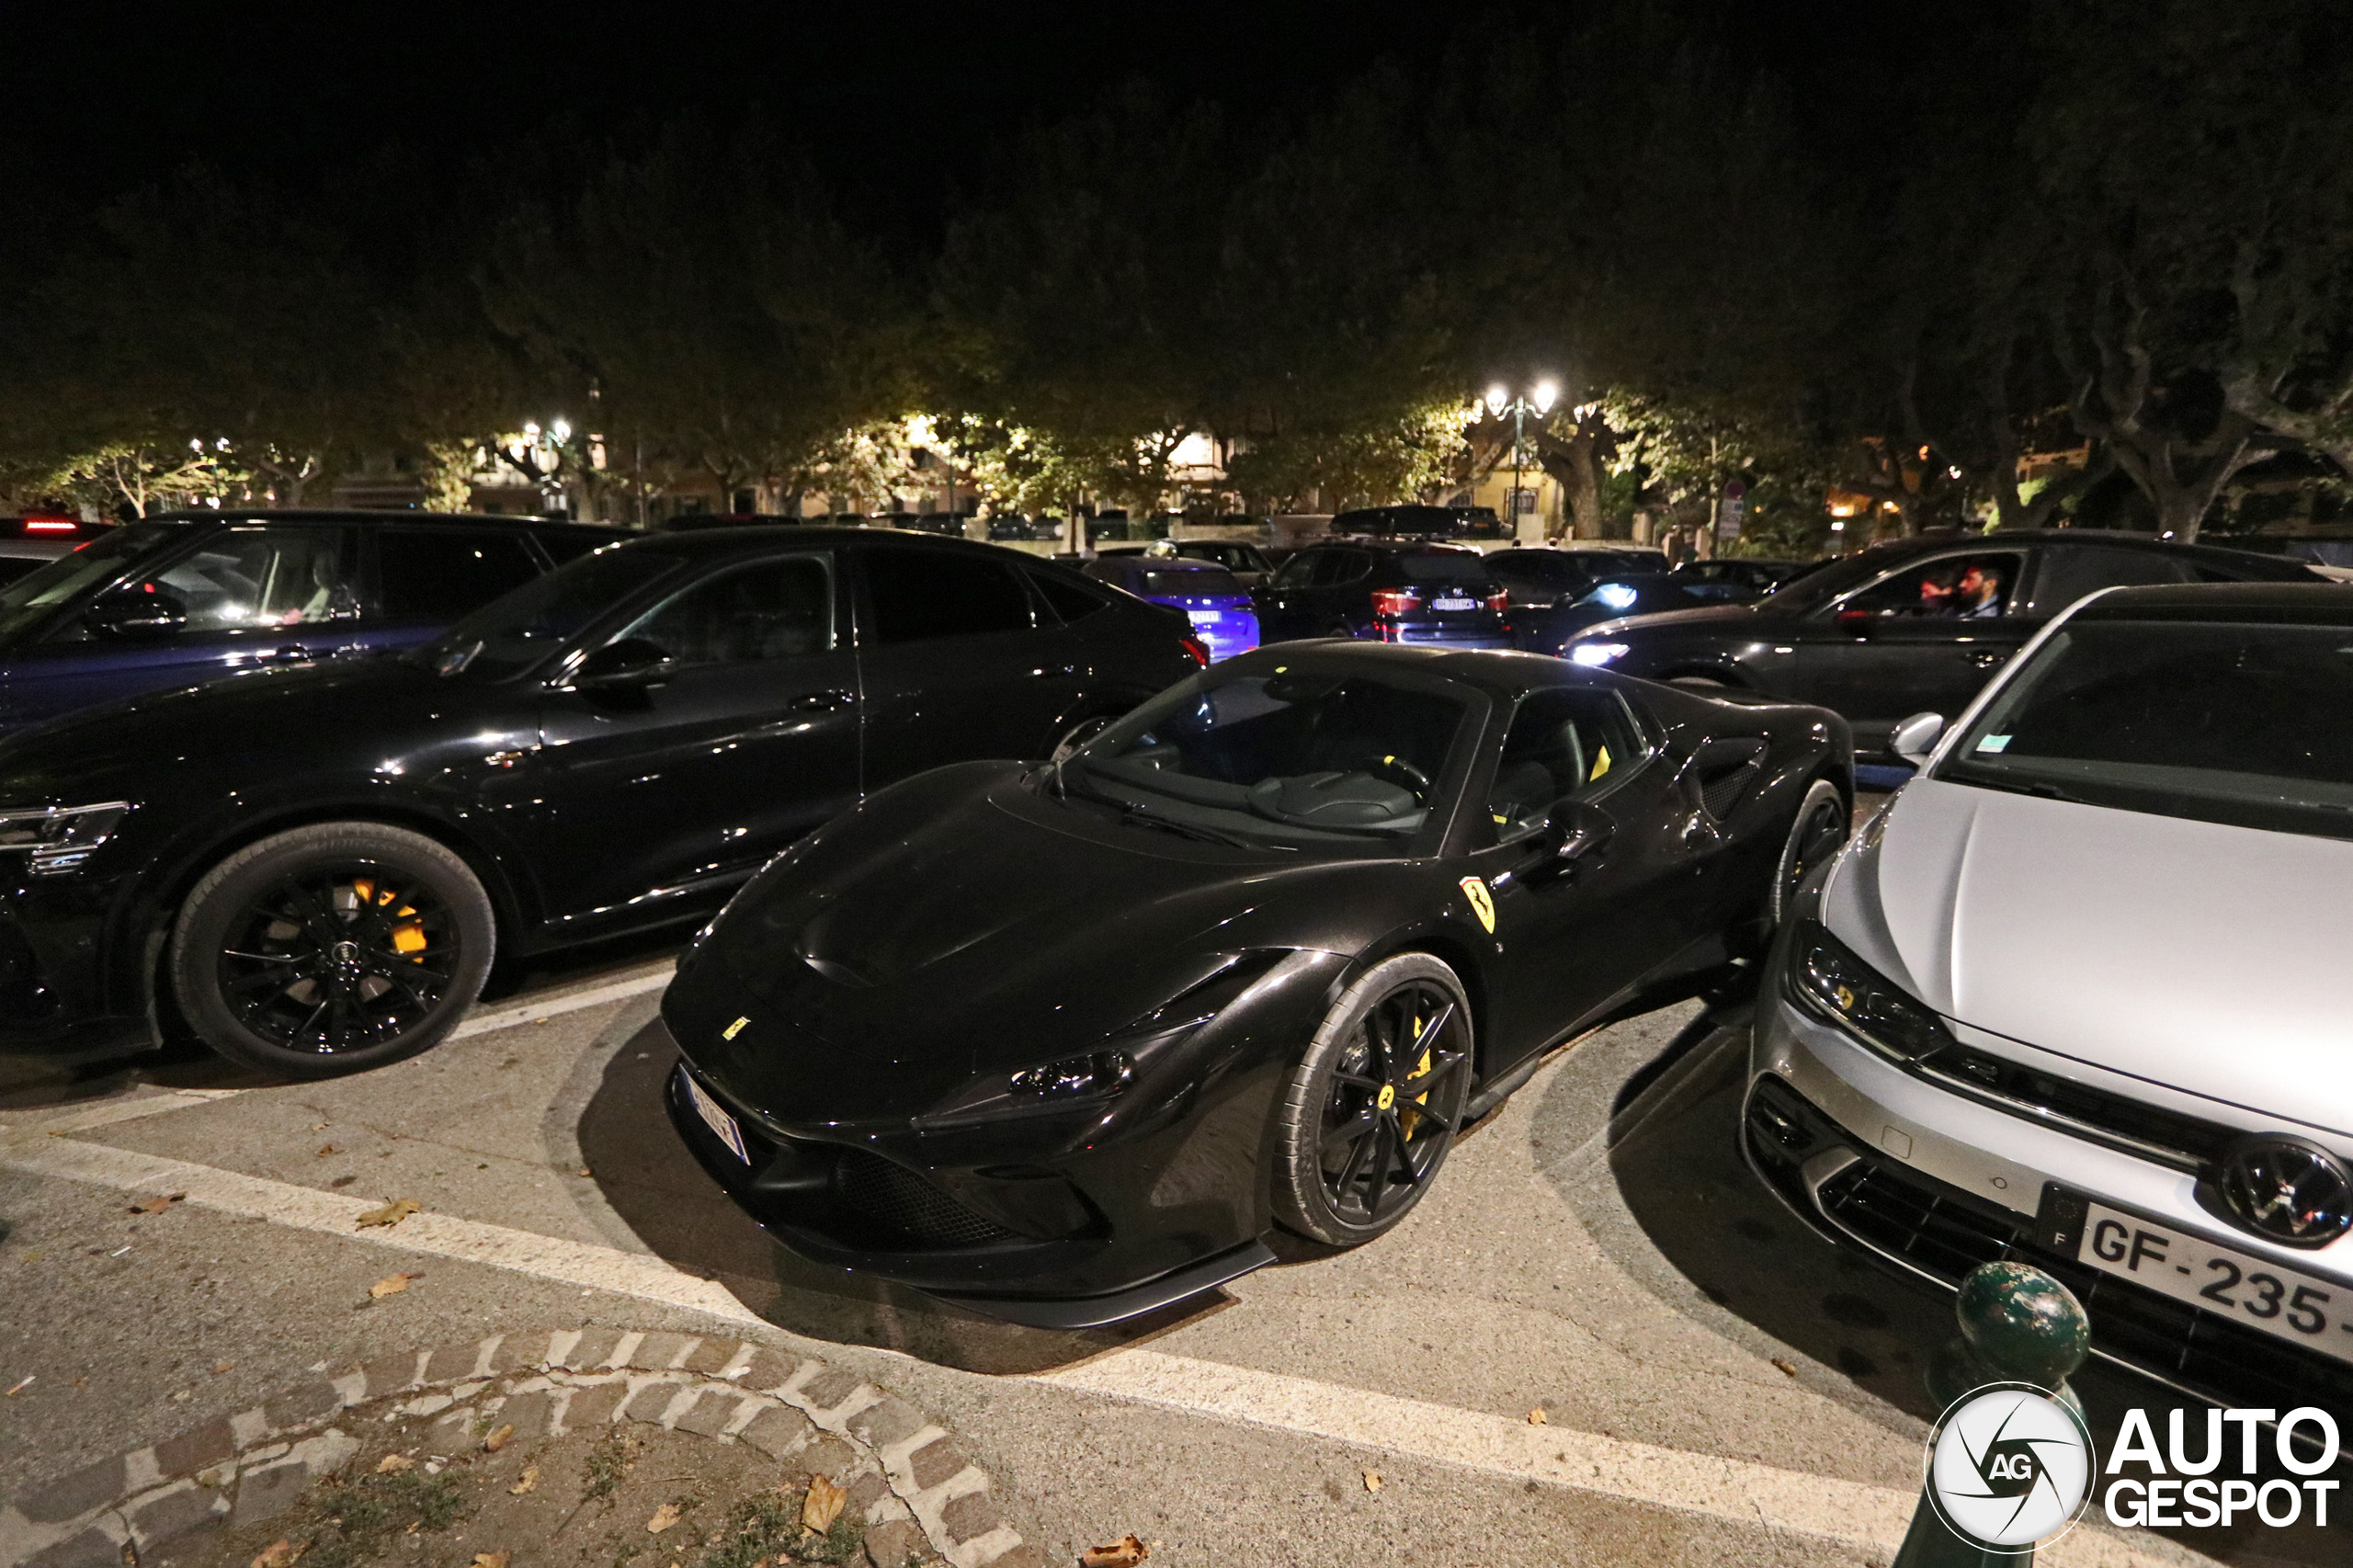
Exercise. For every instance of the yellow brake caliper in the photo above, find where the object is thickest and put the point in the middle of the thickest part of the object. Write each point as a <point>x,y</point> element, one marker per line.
<point>1407,1118</point>
<point>408,936</point>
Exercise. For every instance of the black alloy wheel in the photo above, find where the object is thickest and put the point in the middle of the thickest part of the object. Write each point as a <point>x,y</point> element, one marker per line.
<point>1820,826</point>
<point>332,949</point>
<point>1373,1108</point>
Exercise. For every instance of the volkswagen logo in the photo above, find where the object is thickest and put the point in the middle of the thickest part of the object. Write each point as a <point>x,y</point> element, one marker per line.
<point>2287,1190</point>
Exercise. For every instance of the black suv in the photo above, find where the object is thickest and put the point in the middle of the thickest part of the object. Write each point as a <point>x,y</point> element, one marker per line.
<point>1914,626</point>
<point>1383,591</point>
<point>187,596</point>
<point>312,867</point>
<point>1414,521</point>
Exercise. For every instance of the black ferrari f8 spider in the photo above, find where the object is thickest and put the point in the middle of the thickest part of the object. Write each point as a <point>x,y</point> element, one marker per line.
<point>1066,1041</point>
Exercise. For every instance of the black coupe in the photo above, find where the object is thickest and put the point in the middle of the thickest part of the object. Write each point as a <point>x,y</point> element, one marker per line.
<point>1063,1041</point>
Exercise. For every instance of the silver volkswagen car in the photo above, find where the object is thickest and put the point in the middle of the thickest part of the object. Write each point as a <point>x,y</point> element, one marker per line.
<point>2082,995</point>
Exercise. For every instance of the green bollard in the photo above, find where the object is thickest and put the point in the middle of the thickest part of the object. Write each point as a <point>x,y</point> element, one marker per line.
<point>2017,1326</point>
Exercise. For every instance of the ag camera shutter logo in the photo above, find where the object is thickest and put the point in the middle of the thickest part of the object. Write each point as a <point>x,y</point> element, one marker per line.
<point>2009,1467</point>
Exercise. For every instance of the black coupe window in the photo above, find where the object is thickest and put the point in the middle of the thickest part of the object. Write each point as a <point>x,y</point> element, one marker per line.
<point>2251,725</point>
<point>508,636</point>
<point>1563,745</point>
<point>774,609</point>
<point>919,594</point>
<point>1283,758</point>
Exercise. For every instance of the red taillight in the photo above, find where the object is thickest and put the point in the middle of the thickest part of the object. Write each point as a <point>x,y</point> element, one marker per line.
<point>50,526</point>
<point>1195,647</point>
<point>1394,601</point>
<point>1499,599</point>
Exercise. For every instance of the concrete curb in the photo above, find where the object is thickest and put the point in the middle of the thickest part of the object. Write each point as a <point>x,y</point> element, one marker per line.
<point>908,1477</point>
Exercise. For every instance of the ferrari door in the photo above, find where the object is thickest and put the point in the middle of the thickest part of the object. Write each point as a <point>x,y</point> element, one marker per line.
<point>1578,934</point>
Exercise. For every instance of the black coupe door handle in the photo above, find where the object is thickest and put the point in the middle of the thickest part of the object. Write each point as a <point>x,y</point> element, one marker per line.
<point>822,702</point>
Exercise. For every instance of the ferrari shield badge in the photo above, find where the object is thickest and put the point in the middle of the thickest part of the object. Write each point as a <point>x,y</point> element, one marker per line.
<point>1483,904</point>
<point>732,1030</point>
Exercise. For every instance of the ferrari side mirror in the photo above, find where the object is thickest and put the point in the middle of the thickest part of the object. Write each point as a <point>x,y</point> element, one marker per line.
<point>1915,738</point>
<point>1575,834</point>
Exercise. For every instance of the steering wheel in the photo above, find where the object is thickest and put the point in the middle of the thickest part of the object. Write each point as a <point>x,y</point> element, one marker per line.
<point>1415,778</point>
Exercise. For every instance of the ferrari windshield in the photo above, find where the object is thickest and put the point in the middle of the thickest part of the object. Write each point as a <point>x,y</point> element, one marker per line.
<point>1280,758</point>
<point>510,635</point>
<point>2246,724</point>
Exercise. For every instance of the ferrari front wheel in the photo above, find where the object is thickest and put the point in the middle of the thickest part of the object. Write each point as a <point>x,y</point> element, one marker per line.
<point>1371,1109</point>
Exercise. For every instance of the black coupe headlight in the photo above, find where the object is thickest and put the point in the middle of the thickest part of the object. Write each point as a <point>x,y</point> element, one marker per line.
<point>1097,1073</point>
<point>1826,978</point>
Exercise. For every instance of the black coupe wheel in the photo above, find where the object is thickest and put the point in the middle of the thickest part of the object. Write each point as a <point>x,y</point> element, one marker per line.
<point>1820,827</point>
<point>332,949</point>
<point>1373,1106</point>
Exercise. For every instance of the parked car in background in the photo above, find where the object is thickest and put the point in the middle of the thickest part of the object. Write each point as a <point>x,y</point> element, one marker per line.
<point>1246,561</point>
<point>2076,998</point>
<point>1919,623</point>
<point>1218,606</point>
<point>1066,1043</point>
<point>1542,576</point>
<point>26,544</point>
<point>1385,591</point>
<point>1421,522</point>
<point>1735,579</point>
<point>310,868</point>
<point>1550,629</point>
<point>190,596</point>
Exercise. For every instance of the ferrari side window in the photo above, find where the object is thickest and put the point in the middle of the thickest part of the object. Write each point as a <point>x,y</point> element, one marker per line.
<point>1562,745</point>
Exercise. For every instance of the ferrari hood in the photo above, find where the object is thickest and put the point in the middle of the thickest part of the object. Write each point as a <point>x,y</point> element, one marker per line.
<point>2204,957</point>
<point>950,926</point>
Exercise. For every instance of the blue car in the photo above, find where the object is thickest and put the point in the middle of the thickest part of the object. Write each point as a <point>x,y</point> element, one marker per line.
<point>182,598</point>
<point>1218,606</point>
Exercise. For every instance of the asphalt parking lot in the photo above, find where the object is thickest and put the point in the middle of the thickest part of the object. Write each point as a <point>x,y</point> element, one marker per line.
<point>1716,1384</point>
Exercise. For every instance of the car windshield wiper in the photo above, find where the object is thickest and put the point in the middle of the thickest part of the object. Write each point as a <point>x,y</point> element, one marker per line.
<point>2039,789</point>
<point>1134,813</point>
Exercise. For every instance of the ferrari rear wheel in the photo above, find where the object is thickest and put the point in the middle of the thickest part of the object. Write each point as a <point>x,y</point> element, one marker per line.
<point>1815,833</point>
<point>1372,1108</point>
<point>332,949</point>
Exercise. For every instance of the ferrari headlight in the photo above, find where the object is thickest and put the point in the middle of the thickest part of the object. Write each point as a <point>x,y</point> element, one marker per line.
<point>59,838</point>
<point>1593,656</point>
<point>1826,977</point>
<point>1097,1073</point>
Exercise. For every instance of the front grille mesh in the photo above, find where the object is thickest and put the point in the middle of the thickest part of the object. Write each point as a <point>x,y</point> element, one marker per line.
<point>899,1200</point>
<point>1900,1212</point>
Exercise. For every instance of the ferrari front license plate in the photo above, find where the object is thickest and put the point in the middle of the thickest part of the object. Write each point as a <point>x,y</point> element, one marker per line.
<point>2255,1291</point>
<point>717,1120</point>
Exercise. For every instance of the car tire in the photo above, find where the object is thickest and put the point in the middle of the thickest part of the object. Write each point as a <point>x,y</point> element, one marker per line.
<point>1821,826</point>
<point>1358,1074</point>
<point>294,957</point>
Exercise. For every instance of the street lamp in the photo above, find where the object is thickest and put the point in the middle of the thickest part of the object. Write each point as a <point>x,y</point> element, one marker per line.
<point>1538,400</point>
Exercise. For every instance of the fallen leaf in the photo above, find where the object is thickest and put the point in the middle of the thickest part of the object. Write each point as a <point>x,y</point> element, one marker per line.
<point>1372,1480</point>
<point>391,1214</point>
<point>1536,1416</point>
<point>664,1517</point>
<point>529,1478</point>
<point>158,1203</point>
<point>584,1170</point>
<point>490,1560</point>
<point>391,1285</point>
<point>498,1439</point>
<point>278,1554</point>
<point>391,1462</point>
<point>22,1385</point>
<point>1785,1367</point>
<point>324,1149</point>
<point>220,1366</point>
<point>1125,1553</point>
<point>823,1506</point>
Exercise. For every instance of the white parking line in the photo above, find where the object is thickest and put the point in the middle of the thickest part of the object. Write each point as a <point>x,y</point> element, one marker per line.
<point>568,1002</point>
<point>1739,1491</point>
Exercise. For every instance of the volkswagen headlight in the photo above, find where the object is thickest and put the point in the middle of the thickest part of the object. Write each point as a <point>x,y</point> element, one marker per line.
<point>59,838</point>
<point>1826,978</point>
<point>1593,656</point>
